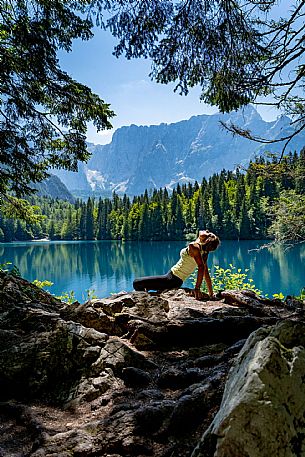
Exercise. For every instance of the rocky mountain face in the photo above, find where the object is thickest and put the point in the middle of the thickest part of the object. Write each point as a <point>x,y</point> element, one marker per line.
<point>143,374</point>
<point>146,157</point>
<point>75,181</point>
<point>53,187</point>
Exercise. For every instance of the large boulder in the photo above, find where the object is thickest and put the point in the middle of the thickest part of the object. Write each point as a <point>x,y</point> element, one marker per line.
<point>135,374</point>
<point>262,412</point>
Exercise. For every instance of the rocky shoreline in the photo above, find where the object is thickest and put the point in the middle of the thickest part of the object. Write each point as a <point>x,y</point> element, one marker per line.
<point>143,374</point>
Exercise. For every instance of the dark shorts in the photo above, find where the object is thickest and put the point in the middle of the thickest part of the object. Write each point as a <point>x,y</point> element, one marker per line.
<point>162,282</point>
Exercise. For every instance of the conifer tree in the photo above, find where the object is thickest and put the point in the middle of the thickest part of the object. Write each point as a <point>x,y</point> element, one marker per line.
<point>146,228</point>
<point>224,200</point>
<point>124,231</point>
<point>68,230</point>
<point>244,222</point>
<point>203,186</point>
<point>89,220</point>
<point>215,205</point>
<point>126,202</point>
<point>9,230</point>
<point>300,173</point>
<point>270,188</point>
<point>179,223</point>
<point>44,111</point>
<point>21,232</point>
<point>82,222</point>
<point>156,227</point>
<point>51,229</point>
<point>133,222</point>
<point>229,229</point>
<point>239,194</point>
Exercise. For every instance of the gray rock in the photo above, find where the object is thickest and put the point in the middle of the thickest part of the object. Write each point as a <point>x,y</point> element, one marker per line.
<point>150,394</point>
<point>150,418</point>
<point>263,407</point>
<point>178,379</point>
<point>135,377</point>
<point>117,355</point>
<point>190,410</point>
<point>114,304</point>
<point>89,316</point>
<point>121,376</point>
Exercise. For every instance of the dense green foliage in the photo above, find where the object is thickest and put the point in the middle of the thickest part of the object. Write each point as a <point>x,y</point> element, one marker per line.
<point>289,217</point>
<point>43,111</point>
<point>237,51</point>
<point>234,205</point>
<point>7,267</point>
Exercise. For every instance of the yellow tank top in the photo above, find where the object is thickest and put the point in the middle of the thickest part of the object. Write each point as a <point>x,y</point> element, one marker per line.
<point>186,265</point>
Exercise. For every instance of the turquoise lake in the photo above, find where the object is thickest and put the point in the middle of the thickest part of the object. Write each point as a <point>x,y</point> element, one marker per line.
<point>110,266</point>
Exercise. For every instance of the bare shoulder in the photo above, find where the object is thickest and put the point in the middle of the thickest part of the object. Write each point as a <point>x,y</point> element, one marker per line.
<point>194,248</point>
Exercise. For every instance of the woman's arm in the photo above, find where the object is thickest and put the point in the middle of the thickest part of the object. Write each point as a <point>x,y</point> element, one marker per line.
<point>194,251</point>
<point>208,280</point>
<point>203,271</point>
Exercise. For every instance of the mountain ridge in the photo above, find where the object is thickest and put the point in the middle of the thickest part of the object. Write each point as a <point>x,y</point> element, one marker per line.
<point>145,157</point>
<point>53,187</point>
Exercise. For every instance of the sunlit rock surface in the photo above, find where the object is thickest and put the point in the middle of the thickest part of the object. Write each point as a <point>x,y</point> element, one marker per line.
<point>143,374</point>
<point>262,412</point>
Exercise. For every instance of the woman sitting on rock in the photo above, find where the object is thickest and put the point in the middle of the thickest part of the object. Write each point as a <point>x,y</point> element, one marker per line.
<point>194,255</point>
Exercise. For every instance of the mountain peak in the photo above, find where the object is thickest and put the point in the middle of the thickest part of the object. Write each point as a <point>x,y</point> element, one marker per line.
<point>141,157</point>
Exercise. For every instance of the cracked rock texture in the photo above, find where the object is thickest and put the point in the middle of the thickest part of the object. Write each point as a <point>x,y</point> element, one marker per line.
<point>143,374</point>
<point>262,412</point>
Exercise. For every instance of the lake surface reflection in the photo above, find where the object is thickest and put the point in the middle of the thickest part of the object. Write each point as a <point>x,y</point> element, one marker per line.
<point>110,266</point>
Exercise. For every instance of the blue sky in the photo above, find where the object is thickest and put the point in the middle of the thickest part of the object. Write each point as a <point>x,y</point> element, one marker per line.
<point>125,84</point>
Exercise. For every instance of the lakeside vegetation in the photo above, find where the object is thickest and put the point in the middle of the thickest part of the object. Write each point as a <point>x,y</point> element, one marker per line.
<point>235,205</point>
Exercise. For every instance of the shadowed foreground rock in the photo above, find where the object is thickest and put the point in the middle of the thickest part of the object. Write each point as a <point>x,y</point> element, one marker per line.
<point>141,374</point>
<point>262,413</point>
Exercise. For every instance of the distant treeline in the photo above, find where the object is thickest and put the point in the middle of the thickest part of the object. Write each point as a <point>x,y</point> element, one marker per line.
<point>235,205</point>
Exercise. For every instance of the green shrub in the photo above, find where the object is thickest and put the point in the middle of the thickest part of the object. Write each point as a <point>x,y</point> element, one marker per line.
<point>279,296</point>
<point>229,279</point>
<point>67,297</point>
<point>42,284</point>
<point>90,295</point>
<point>302,294</point>
<point>13,270</point>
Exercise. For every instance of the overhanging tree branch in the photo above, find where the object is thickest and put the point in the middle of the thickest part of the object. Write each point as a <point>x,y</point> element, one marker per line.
<point>44,112</point>
<point>235,51</point>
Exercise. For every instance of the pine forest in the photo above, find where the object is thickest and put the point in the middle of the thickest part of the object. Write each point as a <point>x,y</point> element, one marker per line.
<point>235,205</point>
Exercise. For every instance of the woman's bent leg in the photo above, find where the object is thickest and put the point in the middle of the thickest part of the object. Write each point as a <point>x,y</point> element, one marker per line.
<point>162,282</point>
